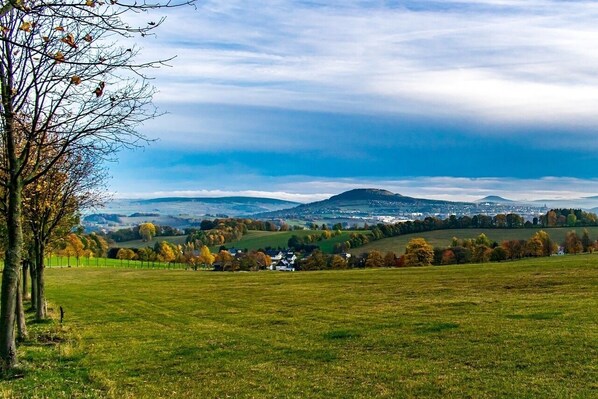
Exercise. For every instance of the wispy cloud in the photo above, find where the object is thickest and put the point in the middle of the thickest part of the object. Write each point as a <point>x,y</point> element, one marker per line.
<point>507,61</point>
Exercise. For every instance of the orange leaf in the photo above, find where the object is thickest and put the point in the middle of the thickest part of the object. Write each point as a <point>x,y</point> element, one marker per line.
<point>59,57</point>
<point>75,79</point>
<point>88,38</point>
<point>59,28</point>
<point>90,3</point>
<point>25,26</point>
<point>70,40</point>
<point>46,39</point>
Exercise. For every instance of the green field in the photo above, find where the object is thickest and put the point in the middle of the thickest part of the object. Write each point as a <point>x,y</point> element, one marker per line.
<point>142,244</point>
<point>254,240</point>
<point>526,329</point>
<point>442,238</point>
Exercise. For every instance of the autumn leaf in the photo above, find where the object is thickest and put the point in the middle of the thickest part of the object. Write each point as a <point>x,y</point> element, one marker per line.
<point>46,39</point>
<point>4,29</point>
<point>25,26</point>
<point>88,38</point>
<point>59,57</point>
<point>70,40</point>
<point>90,3</point>
<point>59,28</point>
<point>100,89</point>
<point>75,80</point>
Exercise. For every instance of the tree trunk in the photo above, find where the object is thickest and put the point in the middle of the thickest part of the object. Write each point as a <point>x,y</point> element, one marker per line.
<point>33,274</point>
<point>40,306</point>
<point>21,326</point>
<point>24,290</point>
<point>10,276</point>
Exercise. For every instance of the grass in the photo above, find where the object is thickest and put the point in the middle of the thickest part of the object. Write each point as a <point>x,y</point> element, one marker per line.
<point>177,240</point>
<point>526,329</point>
<point>442,238</point>
<point>254,240</point>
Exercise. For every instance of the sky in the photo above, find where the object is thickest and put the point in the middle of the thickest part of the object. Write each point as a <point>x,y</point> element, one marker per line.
<point>301,100</point>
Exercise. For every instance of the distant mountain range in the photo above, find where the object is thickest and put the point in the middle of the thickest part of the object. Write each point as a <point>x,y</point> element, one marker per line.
<point>368,203</point>
<point>350,207</point>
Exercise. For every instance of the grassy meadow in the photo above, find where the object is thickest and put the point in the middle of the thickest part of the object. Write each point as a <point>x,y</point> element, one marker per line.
<point>526,329</point>
<point>442,238</point>
<point>254,240</point>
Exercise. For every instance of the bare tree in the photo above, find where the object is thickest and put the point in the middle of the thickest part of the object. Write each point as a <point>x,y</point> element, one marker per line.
<point>67,87</point>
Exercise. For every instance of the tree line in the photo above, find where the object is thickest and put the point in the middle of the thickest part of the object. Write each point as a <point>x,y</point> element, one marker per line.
<point>419,252</point>
<point>553,218</point>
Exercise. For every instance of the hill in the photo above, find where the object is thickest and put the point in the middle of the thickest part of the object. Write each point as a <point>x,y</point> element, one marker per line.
<point>517,329</point>
<point>178,212</point>
<point>366,204</point>
<point>494,199</point>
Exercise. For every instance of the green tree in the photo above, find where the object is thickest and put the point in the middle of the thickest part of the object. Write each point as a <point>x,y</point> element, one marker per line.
<point>418,253</point>
<point>571,219</point>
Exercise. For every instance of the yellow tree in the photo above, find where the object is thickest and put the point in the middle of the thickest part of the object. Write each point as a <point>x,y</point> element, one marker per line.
<point>75,246</point>
<point>205,257</point>
<point>165,252</point>
<point>374,259</point>
<point>418,253</point>
<point>338,262</point>
<point>225,259</point>
<point>147,231</point>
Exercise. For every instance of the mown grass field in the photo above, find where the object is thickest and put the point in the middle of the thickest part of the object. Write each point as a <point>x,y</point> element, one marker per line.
<point>442,238</point>
<point>526,329</point>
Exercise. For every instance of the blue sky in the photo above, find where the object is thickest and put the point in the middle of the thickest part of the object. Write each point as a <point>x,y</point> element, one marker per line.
<point>303,99</point>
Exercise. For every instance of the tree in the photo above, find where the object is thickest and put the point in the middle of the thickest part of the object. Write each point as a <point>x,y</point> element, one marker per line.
<point>448,257</point>
<point>51,208</point>
<point>65,86</point>
<point>548,246</point>
<point>147,231</point>
<point>337,262</point>
<point>165,252</point>
<point>418,253</point>
<point>573,244</point>
<point>205,257</point>
<point>225,259</point>
<point>498,254</point>
<point>263,260</point>
<point>126,254</point>
<point>75,246</point>
<point>374,259</point>
<point>390,259</point>
<point>586,242</point>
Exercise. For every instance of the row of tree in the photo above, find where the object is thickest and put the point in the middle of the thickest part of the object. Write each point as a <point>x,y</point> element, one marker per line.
<point>419,252</point>
<point>553,218</point>
<point>70,97</point>
<point>194,258</point>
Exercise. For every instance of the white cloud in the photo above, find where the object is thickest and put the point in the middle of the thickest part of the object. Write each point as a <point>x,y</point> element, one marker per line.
<point>507,61</point>
<point>308,189</point>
